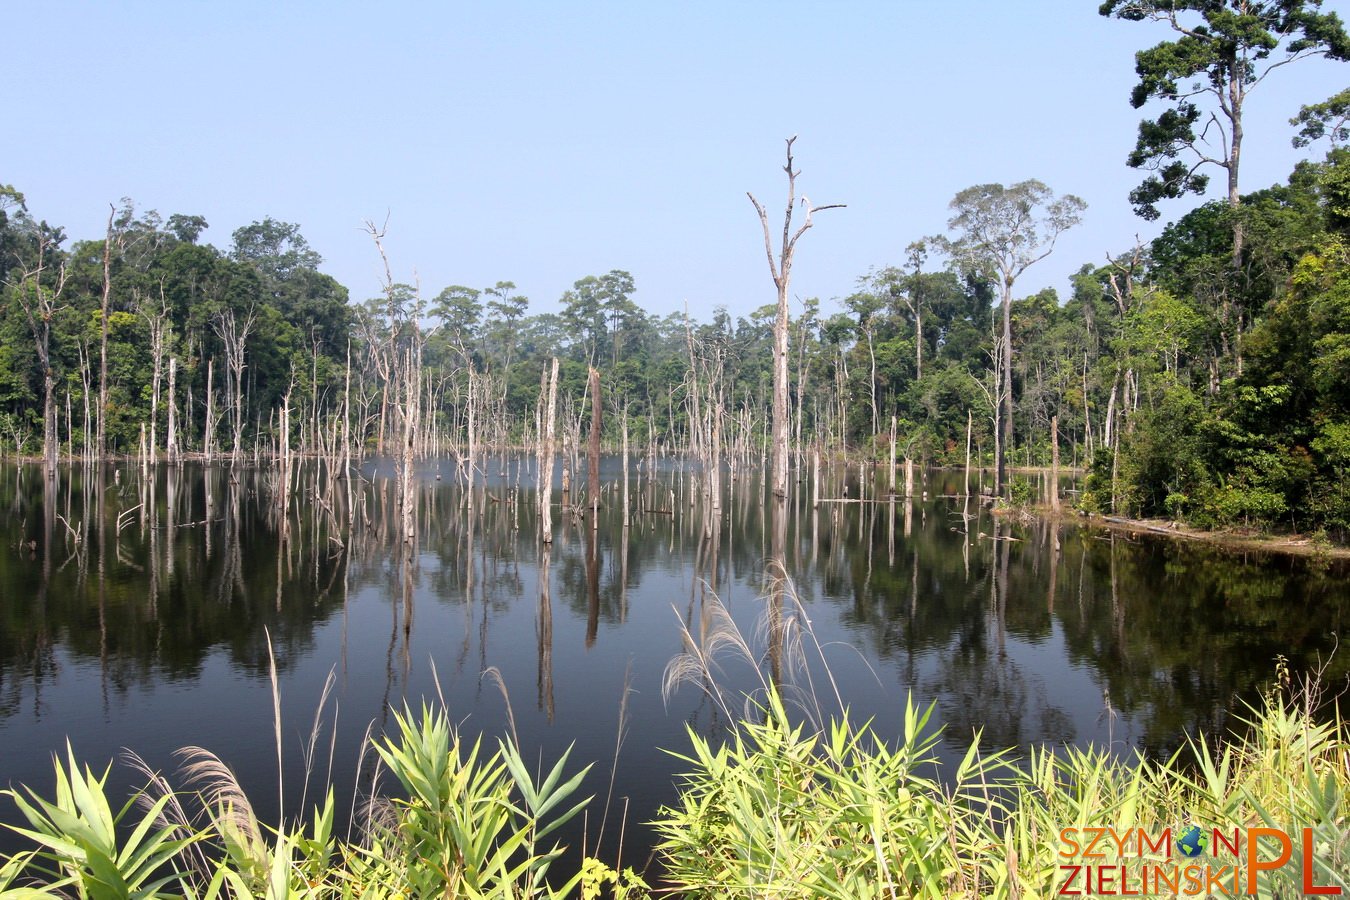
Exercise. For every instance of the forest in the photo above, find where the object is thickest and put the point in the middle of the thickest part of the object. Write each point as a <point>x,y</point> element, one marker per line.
<point>1193,389</point>
<point>1201,377</point>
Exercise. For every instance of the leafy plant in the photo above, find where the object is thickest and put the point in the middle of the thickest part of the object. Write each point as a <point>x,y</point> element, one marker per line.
<point>780,811</point>
<point>88,847</point>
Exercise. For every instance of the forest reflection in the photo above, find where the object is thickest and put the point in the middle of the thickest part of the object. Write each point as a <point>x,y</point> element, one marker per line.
<point>136,606</point>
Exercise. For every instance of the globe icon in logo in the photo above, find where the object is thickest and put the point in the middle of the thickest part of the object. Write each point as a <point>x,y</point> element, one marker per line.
<point>1192,842</point>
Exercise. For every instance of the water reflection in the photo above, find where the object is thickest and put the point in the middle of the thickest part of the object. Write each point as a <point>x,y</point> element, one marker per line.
<point>135,608</point>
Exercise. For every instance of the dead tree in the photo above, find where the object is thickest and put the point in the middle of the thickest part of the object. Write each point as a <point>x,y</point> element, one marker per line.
<point>548,399</point>
<point>593,460</point>
<point>781,270</point>
<point>234,333</point>
<point>105,301</point>
<point>41,302</point>
<point>209,432</point>
<point>171,439</point>
<point>159,328</point>
<point>406,368</point>
<point>706,401</point>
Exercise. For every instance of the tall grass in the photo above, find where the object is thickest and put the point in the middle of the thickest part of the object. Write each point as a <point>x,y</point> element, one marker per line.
<point>776,808</point>
<point>783,806</point>
<point>794,799</point>
<point>468,823</point>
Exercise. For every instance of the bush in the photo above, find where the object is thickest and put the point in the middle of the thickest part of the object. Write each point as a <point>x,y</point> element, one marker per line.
<point>1236,503</point>
<point>1020,493</point>
<point>1096,495</point>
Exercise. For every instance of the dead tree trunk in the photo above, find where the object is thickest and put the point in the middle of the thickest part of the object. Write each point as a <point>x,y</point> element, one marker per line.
<point>40,303</point>
<point>171,439</point>
<point>209,438</point>
<point>593,463</point>
<point>100,441</point>
<point>890,474</point>
<point>234,335</point>
<point>1054,462</point>
<point>969,422</point>
<point>549,398</point>
<point>157,323</point>
<point>781,271</point>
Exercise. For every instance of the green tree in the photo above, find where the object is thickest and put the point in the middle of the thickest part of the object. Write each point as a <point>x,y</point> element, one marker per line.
<point>1329,119</point>
<point>1225,49</point>
<point>277,249</point>
<point>459,312</point>
<point>601,314</point>
<point>1005,231</point>
<point>505,310</point>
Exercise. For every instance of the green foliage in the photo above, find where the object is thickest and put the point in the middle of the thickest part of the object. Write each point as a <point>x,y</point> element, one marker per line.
<point>89,847</point>
<point>1329,119</point>
<point>1020,492</point>
<point>1163,460</point>
<point>779,811</point>
<point>459,828</point>
<point>1224,49</point>
<point>1097,484</point>
<point>469,825</point>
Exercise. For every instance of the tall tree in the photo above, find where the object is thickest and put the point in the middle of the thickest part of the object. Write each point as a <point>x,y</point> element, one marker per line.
<point>1224,50</point>
<point>1005,231</point>
<point>38,283</point>
<point>277,249</point>
<point>505,310</point>
<point>621,313</point>
<point>781,271</point>
<point>583,311</point>
<point>459,311</point>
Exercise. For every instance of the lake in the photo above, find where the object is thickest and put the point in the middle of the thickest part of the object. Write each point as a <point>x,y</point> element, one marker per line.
<point>140,607</point>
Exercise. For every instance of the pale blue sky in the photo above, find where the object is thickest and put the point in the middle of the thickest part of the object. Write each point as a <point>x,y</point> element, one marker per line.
<point>542,142</point>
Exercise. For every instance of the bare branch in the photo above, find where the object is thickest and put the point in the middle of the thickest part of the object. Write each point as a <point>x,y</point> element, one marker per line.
<point>768,241</point>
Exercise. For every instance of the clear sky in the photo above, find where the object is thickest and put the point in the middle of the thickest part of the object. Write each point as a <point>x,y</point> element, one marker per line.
<point>541,142</point>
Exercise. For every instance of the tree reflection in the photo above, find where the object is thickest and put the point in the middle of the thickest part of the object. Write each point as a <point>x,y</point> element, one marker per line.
<point>145,575</point>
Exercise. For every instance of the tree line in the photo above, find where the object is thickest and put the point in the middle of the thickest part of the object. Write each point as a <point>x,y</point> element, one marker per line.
<point>1204,376</point>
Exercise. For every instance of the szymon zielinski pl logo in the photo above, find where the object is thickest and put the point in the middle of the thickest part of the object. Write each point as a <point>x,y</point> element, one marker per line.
<point>1188,861</point>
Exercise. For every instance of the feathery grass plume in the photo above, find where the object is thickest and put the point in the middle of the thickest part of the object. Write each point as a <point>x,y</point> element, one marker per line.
<point>494,675</point>
<point>173,813</point>
<point>788,628</point>
<point>310,747</point>
<point>698,662</point>
<point>232,821</point>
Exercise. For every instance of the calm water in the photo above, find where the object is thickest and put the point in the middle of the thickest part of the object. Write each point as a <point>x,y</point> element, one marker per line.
<point>136,612</point>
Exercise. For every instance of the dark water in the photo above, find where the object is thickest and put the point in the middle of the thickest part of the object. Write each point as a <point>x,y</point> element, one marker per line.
<point>136,612</point>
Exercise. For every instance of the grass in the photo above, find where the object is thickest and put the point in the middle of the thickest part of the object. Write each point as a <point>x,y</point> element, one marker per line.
<point>776,810</point>
<point>781,811</point>
<point>791,802</point>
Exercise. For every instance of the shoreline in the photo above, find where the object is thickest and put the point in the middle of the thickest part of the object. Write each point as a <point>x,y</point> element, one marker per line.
<point>1265,542</point>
